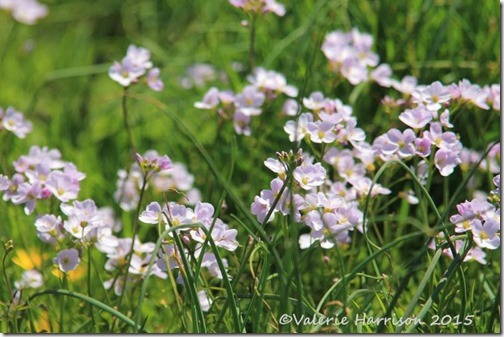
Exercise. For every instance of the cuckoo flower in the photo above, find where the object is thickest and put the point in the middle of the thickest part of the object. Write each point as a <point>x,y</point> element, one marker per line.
<point>67,260</point>
<point>309,175</point>
<point>259,7</point>
<point>14,122</point>
<point>134,66</point>
<point>416,118</point>
<point>27,12</point>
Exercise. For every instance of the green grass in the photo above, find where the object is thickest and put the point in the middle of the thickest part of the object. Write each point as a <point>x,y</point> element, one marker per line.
<point>56,73</point>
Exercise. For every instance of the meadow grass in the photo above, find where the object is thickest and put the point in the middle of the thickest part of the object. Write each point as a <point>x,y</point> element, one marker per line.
<point>56,73</point>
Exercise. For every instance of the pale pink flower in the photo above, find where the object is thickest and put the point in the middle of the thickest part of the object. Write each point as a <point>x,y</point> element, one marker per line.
<point>309,175</point>
<point>204,301</point>
<point>67,260</point>
<point>407,85</point>
<point>27,11</point>
<point>14,122</point>
<point>416,118</point>
<point>30,279</point>
<point>297,130</point>
<point>125,73</point>
<point>290,107</point>
<point>139,57</point>
<point>446,161</point>
<point>485,235</point>
<point>433,96</point>
<point>321,132</point>
<point>62,186</point>
<point>400,143</point>
<point>153,214</point>
<point>210,100</point>
<point>382,74</point>
<point>153,80</point>
<point>249,101</point>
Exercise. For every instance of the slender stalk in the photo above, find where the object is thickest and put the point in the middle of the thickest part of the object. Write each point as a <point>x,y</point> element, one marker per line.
<point>457,261</point>
<point>227,283</point>
<point>62,306</point>
<point>173,284</point>
<point>199,324</point>
<point>217,213</point>
<point>126,121</point>
<point>8,249</point>
<point>92,301</point>
<point>89,286</point>
<point>101,279</point>
<point>135,230</point>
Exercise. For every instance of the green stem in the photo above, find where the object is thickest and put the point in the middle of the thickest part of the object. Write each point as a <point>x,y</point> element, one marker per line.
<point>199,325</point>
<point>62,306</point>
<point>89,287</point>
<point>217,213</point>
<point>457,261</point>
<point>135,230</point>
<point>126,121</point>
<point>173,284</point>
<point>225,276</point>
<point>7,251</point>
<point>92,301</point>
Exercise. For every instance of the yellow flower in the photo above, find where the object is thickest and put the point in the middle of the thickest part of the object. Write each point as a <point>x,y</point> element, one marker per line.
<point>73,275</point>
<point>42,324</point>
<point>29,260</point>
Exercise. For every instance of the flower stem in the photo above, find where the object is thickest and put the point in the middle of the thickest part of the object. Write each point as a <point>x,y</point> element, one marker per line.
<point>89,287</point>
<point>62,304</point>
<point>135,230</point>
<point>7,251</point>
<point>126,121</point>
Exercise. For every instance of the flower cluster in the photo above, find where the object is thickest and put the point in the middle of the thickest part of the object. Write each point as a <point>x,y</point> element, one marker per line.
<point>328,205</point>
<point>473,254</point>
<point>172,215</point>
<point>469,157</point>
<point>329,209</point>
<point>41,175</point>
<point>85,224</point>
<point>350,55</point>
<point>133,67</point>
<point>437,96</point>
<point>25,11</point>
<point>164,176</point>
<point>428,119</point>
<point>259,6</point>
<point>117,258</point>
<point>481,218</point>
<point>329,122</point>
<point>199,74</point>
<point>13,121</point>
<point>265,86</point>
